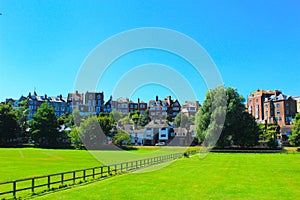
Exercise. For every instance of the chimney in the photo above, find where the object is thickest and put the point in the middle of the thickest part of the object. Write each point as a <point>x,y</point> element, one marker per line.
<point>138,100</point>
<point>60,96</point>
<point>76,92</point>
<point>169,99</point>
<point>156,98</point>
<point>46,96</point>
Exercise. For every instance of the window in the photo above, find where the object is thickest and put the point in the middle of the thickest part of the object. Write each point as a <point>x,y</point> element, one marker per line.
<point>267,114</point>
<point>278,112</point>
<point>286,104</point>
<point>266,106</point>
<point>90,96</point>
<point>163,135</point>
<point>277,105</point>
<point>287,112</point>
<point>98,96</point>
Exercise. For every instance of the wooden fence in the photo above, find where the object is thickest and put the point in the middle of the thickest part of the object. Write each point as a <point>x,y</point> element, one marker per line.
<point>49,182</point>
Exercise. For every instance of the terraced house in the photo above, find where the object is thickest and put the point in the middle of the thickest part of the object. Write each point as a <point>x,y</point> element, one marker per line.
<point>161,109</point>
<point>60,104</point>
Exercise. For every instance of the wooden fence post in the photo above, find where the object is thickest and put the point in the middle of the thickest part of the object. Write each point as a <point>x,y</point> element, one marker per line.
<point>14,188</point>
<point>62,178</point>
<point>74,177</point>
<point>32,185</point>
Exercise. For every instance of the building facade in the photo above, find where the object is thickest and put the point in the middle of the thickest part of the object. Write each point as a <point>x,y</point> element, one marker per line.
<point>94,102</point>
<point>76,99</point>
<point>59,104</point>
<point>280,109</point>
<point>255,103</point>
<point>160,109</point>
<point>190,108</point>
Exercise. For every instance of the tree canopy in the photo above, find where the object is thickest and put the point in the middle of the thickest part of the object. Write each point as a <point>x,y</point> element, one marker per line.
<point>239,127</point>
<point>9,127</point>
<point>44,126</point>
<point>294,138</point>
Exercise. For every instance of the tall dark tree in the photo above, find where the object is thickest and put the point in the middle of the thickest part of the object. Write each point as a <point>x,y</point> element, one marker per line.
<point>44,126</point>
<point>239,128</point>
<point>294,139</point>
<point>210,117</point>
<point>22,113</point>
<point>144,119</point>
<point>9,128</point>
<point>106,123</point>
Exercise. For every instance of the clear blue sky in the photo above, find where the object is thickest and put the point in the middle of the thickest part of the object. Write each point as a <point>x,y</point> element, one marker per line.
<point>43,43</point>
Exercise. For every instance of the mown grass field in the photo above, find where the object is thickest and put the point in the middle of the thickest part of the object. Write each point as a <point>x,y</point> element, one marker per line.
<point>27,162</point>
<point>217,176</point>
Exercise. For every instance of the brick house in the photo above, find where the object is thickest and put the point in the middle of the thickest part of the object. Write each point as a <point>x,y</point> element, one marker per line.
<point>190,108</point>
<point>281,109</point>
<point>94,102</point>
<point>255,103</point>
<point>160,109</point>
<point>75,99</point>
<point>139,106</point>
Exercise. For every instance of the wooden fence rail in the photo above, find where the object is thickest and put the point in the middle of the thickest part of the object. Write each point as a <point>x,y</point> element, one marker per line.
<point>63,179</point>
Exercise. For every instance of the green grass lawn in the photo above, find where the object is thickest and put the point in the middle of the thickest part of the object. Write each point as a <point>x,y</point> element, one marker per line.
<point>217,176</point>
<point>28,162</point>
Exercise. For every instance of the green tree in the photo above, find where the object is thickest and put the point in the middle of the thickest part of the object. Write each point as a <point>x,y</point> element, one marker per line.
<point>75,138</point>
<point>209,118</point>
<point>297,117</point>
<point>239,128</point>
<point>117,115</point>
<point>121,138</point>
<point>126,120</point>
<point>268,134</point>
<point>106,123</point>
<point>294,138</point>
<point>9,128</point>
<point>247,133</point>
<point>22,113</point>
<point>90,133</point>
<point>76,118</point>
<point>44,126</point>
<point>192,119</point>
<point>181,120</point>
<point>144,119</point>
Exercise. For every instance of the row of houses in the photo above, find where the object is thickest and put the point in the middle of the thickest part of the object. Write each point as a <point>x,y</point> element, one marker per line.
<point>274,107</point>
<point>160,131</point>
<point>94,103</point>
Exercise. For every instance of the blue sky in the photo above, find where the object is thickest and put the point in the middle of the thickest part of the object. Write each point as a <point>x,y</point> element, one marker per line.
<point>43,44</point>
